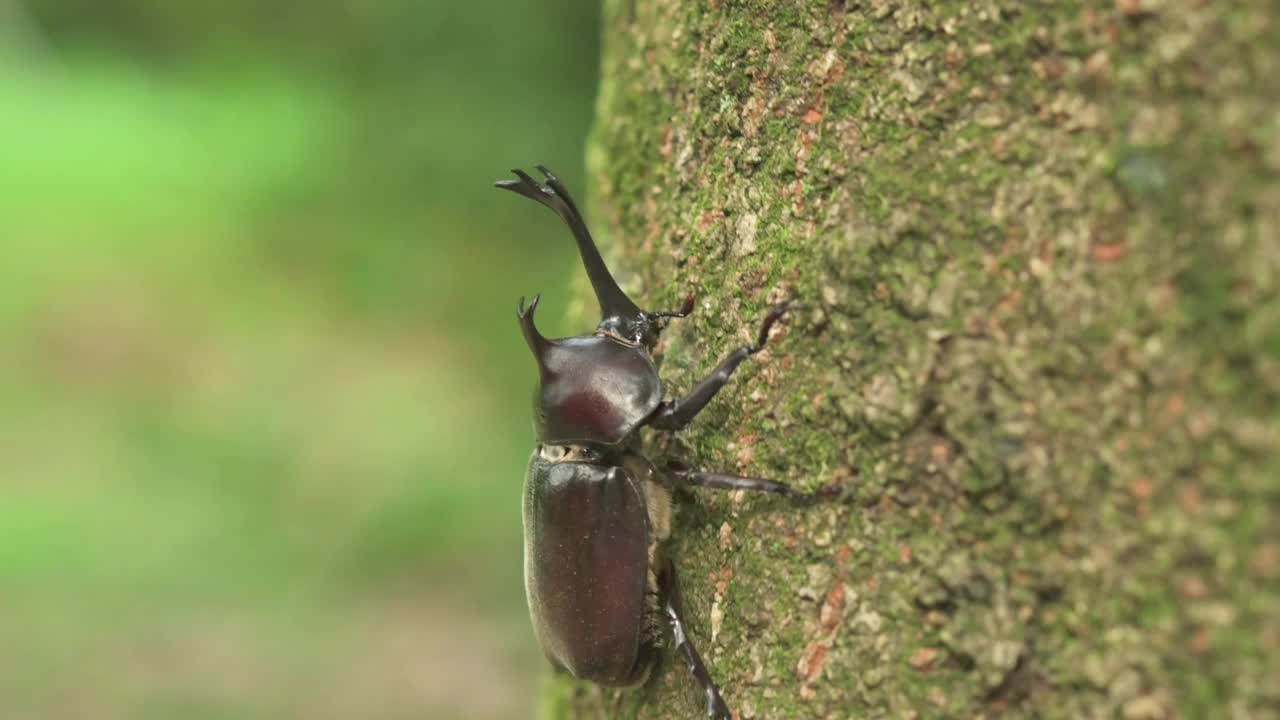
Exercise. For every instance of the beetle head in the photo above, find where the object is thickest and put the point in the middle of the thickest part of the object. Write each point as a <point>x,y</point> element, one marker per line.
<point>641,329</point>
<point>620,317</point>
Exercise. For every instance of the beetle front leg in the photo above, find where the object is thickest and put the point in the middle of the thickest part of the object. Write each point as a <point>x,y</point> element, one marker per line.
<point>686,308</point>
<point>673,609</point>
<point>721,481</point>
<point>676,414</point>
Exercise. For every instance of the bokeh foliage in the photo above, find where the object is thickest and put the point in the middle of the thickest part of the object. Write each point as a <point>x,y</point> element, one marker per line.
<point>263,408</point>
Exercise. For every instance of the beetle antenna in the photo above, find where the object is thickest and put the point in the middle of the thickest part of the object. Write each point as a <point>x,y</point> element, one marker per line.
<point>553,194</point>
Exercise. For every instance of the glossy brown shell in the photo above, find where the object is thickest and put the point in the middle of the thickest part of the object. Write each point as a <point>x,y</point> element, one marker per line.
<point>586,539</point>
<point>594,389</point>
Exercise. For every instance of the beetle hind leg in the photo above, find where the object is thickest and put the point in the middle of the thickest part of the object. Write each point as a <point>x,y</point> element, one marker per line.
<point>673,610</point>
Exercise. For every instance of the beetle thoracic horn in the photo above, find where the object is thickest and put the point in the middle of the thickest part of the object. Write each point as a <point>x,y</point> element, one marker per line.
<point>613,301</point>
<point>537,343</point>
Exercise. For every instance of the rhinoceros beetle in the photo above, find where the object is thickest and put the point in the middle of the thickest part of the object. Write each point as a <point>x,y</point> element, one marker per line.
<point>597,513</point>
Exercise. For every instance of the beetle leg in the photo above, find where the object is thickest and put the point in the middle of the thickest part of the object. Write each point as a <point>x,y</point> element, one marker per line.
<point>686,308</point>
<point>676,414</point>
<point>673,608</point>
<point>721,481</point>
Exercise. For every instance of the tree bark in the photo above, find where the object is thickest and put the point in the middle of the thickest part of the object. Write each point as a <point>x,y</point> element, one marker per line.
<point>1040,242</point>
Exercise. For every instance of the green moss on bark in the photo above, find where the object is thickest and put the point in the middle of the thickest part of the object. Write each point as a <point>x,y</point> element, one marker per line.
<point>1042,246</point>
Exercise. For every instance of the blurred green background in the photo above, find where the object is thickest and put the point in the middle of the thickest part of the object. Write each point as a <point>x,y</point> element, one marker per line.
<point>264,408</point>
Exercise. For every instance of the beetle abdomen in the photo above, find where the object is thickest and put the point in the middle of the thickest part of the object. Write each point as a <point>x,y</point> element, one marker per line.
<point>586,542</point>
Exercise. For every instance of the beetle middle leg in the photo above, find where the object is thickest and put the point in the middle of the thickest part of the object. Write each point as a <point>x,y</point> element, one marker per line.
<point>673,609</point>
<point>676,414</point>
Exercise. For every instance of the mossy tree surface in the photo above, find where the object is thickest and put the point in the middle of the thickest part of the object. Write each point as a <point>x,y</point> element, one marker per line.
<point>1041,245</point>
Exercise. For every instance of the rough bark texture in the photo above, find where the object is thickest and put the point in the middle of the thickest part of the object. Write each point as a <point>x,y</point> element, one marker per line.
<point>1042,245</point>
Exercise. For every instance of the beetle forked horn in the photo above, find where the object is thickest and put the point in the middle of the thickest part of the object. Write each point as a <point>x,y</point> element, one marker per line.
<point>537,343</point>
<point>613,301</point>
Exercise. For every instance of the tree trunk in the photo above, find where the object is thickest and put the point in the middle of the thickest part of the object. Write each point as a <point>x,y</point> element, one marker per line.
<point>1039,241</point>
